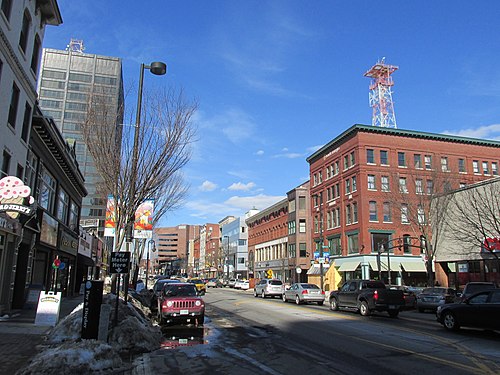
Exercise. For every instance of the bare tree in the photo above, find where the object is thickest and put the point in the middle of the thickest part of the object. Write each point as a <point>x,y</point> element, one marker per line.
<point>162,145</point>
<point>423,201</point>
<point>474,215</point>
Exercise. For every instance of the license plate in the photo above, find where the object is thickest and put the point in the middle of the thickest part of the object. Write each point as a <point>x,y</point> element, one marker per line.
<point>183,341</point>
<point>393,307</point>
<point>184,312</point>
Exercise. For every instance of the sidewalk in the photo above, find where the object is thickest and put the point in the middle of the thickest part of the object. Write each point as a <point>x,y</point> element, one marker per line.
<point>20,337</point>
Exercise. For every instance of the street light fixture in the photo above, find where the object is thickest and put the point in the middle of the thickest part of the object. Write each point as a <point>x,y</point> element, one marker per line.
<point>226,260</point>
<point>157,68</point>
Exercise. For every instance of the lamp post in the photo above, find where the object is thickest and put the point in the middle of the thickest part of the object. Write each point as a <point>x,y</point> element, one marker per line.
<point>147,259</point>
<point>226,260</point>
<point>157,68</point>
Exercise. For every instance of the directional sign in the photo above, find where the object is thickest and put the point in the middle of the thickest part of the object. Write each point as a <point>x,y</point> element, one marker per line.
<point>120,262</point>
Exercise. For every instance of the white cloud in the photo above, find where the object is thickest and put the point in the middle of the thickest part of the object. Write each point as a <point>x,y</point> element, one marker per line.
<point>260,201</point>
<point>491,132</point>
<point>260,153</point>
<point>289,155</point>
<point>208,186</point>
<point>241,186</point>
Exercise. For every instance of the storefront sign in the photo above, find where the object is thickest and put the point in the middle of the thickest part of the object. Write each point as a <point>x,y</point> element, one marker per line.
<point>15,197</point>
<point>47,312</point>
<point>68,243</point>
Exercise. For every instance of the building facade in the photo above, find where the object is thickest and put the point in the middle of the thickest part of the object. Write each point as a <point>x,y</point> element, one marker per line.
<point>361,183</point>
<point>68,78</point>
<point>172,245</point>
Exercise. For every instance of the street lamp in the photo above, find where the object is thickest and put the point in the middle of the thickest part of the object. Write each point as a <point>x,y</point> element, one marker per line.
<point>321,240</point>
<point>227,258</point>
<point>157,68</point>
<point>147,259</point>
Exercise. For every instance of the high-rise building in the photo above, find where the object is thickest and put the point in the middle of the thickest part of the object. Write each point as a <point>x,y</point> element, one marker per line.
<point>172,244</point>
<point>67,79</point>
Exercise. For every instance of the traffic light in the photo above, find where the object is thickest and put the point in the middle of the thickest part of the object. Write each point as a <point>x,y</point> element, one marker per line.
<point>269,274</point>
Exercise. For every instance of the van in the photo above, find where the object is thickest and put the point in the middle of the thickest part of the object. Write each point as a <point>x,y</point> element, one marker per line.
<point>269,288</point>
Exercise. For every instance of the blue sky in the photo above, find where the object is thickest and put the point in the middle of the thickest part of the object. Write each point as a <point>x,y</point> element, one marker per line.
<point>276,80</point>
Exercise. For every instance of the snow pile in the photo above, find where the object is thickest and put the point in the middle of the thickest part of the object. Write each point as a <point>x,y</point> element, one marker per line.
<point>66,353</point>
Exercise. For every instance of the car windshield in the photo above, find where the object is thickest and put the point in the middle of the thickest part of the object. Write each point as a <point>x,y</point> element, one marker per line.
<point>275,282</point>
<point>180,291</point>
<point>309,286</point>
<point>159,284</point>
<point>473,288</point>
<point>436,291</point>
<point>196,281</point>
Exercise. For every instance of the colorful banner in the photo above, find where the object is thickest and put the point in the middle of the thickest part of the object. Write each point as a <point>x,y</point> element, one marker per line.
<point>143,225</point>
<point>110,222</point>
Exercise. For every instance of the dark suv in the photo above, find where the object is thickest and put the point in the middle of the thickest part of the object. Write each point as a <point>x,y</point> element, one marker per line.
<point>269,288</point>
<point>474,287</point>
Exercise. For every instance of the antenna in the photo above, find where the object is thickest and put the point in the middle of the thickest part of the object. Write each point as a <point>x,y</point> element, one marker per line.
<point>381,94</point>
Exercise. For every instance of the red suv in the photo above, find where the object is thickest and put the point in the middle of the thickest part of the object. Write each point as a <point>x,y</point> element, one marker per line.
<point>180,303</point>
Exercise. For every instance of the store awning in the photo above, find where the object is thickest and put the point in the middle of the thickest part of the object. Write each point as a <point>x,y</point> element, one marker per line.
<point>315,269</point>
<point>349,266</point>
<point>418,266</point>
<point>85,261</point>
<point>395,265</point>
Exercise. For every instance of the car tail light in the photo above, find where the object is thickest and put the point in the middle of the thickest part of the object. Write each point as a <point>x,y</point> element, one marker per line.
<point>304,292</point>
<point>322,292</point>
<point>375,295</point>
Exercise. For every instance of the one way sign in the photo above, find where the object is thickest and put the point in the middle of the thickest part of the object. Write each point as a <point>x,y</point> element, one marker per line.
<point>119,262</point>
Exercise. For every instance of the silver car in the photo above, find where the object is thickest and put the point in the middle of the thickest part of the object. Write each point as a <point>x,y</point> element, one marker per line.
<point>268,288</point>
<point>304,293</point>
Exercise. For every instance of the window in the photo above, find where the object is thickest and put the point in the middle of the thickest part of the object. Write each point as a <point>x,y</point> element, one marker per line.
<point>387,212</point>
<point>328,174</point>
<point>384,160</point>
<point>336,167</point>
<point>336,218</point>
<point>346,162</point>
<point>334,246</point>
<point>486,169</point>
<point>370,156</point>
<point>5,164</point>
<point>291,227</point>
<point>23,37</point>
<point>475,166</point>
<point>404,214</point>
<point>292,250</point>
<point>26,122</point>
<point>73,216</point>
<point>461,165</point>
<point>353,158</point>
<point>31,166</point>
<point>291,206</point>
<point>406,244</point>
<point>371,182</point>
<point>402,185</point>
<point>418,186</point>
<point>329,217</point>
<point>354,184</point>
<point>14,101</point>
<point>20,171</point>
<point>348,214</point>
<point>417,161</point>
<point>47,190</point>
<point>62,206</point>
<point>444,164</point>
<point>401,159</point>
<point>302,250</point>
<point>35,57</point>
<point>302,225</point>
<point>79,77</point>
<point>373,211</point>
<point>494,168</point>
<point>428,161</point>
<point>352,243</point>
<point>302,203</point>
<point>354,212</point>
<point>420,214</point>
<point>384,182</point>
<point>348,186</point>
<point>6,8</point>
<point>429,187</point>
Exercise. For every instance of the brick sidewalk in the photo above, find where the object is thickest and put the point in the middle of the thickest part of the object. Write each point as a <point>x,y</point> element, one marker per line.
<point>20,338</point>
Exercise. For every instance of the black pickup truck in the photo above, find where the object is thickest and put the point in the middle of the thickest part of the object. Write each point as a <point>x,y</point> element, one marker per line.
<point>366,296</point>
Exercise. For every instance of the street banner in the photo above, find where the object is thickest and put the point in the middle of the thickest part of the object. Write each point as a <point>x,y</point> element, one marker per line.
<point>143,225</point>
<point>110,222</point>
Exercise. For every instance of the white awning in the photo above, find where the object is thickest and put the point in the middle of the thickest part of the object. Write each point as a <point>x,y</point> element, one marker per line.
<point>395,265</point>
<point>418,266</point>
<point>349,266</point>
<point>316,269</point>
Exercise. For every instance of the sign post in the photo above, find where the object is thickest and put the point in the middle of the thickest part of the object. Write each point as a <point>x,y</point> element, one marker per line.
<point>92,301</point>
<point>119,264</point>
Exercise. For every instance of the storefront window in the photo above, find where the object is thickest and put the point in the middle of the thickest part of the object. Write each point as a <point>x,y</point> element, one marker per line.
<point>62,206</point>
<point>47,191</point>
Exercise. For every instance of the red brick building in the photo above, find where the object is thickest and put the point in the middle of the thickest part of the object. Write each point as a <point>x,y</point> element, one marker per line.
<point>359,182</point>
<point>172,244</point>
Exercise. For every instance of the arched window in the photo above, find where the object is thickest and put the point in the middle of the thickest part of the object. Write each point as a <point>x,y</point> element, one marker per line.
<point>35,57</point>
<point>23,37</point>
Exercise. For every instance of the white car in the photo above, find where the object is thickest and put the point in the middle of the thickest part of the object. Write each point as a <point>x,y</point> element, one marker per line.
<point>245,285</point>
<point>237,284</point>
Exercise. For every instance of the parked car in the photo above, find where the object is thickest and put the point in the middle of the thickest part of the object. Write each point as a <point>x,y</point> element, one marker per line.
<point>431,298</point>
<point>245,285</point>
<point>367,296</point>
<point>409,296</point>
<point>231,283</point>
<point>214,283</point>
<point>474,287</point>
<point>237,284</point>
<point>269,288</point>
<point>304,293</point>
<point>200,285</point>
<point>157,288</point>
<point>481,310</point>
<point>180,303</point>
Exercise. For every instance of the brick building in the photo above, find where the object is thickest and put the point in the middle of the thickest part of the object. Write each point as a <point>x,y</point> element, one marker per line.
<point>359,183</point>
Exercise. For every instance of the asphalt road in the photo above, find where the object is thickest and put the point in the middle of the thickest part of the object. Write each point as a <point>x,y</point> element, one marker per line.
<point>247,335</point>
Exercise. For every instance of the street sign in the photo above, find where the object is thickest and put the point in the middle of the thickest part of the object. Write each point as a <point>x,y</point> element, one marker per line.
<point>120,262</point>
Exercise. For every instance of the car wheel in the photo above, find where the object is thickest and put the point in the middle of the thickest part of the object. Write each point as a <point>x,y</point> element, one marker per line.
<point>297,300</point>
<point>283,297</point>
<point>263,295</point>
<point>320,303</point>
<point>334,305</point>
<point>450,322</point>
<point>393,313</point>
<point>363,309</point>
<point>255,293</point>
<point>421,309</point>
<point>200,320</point>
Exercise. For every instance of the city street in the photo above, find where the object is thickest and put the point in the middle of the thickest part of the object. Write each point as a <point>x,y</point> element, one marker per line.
<point>247,335</point>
